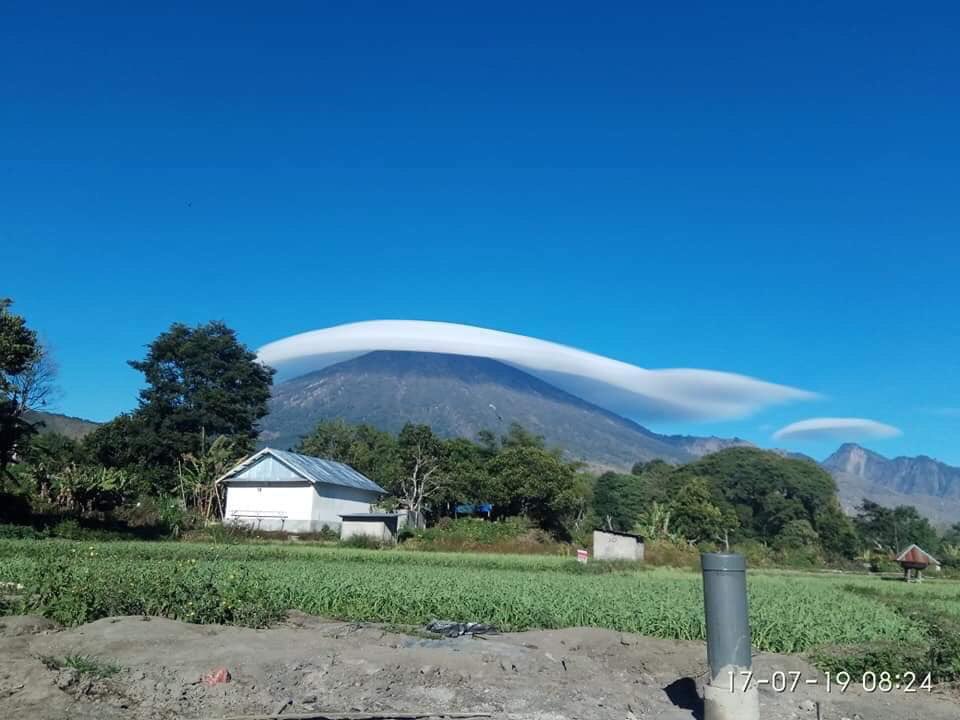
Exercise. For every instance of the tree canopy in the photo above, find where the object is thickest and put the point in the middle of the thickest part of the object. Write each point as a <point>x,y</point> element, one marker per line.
<point>201,383</point>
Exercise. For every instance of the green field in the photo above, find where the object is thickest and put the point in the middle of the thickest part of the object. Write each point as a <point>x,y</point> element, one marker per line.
<point>75,582</point>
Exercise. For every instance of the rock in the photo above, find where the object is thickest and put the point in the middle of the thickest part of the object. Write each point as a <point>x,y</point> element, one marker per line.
<point>67,677</point>
<point>217,676</point>
<point>281,706</point>
<point>807,706</point>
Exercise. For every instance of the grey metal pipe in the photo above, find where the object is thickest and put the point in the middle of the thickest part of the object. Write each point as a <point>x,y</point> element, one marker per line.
<point>725,603</point>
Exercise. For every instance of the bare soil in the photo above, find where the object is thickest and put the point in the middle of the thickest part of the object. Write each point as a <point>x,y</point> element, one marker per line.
<point>311,666</point>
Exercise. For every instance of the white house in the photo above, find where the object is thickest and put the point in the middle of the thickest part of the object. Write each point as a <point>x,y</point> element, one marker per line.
<point>281,490</point>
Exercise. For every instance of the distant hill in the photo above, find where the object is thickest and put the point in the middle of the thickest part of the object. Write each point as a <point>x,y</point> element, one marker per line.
<point>931,486</point>
<point>72,427</point>
<point>459,396</point>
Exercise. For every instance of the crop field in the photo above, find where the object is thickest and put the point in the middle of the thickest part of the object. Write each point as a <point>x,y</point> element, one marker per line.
<point>254,585</point>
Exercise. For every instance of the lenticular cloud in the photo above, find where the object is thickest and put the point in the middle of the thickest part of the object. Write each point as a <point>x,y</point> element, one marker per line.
<point>836,429</point>
<point>667,394</point>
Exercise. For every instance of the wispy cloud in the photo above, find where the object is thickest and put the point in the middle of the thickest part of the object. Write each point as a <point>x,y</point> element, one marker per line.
<point>669,394</point>
<point>826,428</point>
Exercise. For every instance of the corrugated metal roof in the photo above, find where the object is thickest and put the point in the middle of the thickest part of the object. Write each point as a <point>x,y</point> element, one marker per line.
<point>917,556</point>
<point>313,469</point>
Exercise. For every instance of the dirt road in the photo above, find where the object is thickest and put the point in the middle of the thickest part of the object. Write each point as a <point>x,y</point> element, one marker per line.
<point>309,664</point>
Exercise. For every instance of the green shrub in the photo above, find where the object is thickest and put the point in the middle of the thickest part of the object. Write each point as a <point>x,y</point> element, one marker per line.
<point>20,532</point>
<point>362,542</point>
<point>85,665</point>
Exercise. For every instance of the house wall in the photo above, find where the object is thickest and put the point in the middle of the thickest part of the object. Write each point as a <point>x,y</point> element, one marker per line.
<point>293,499</point>
<point>607,546</point>
<point>332,501</point>
<point>376,530</point>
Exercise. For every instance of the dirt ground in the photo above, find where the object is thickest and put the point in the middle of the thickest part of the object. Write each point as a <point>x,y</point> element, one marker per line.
<point>309,665</point>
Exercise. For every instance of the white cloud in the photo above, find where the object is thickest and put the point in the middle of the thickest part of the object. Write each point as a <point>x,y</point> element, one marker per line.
<point>668,394</point>
<point>836,429</point>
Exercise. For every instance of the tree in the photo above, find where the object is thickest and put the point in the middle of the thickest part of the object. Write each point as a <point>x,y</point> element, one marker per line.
<point>797,534</point>
<point>198,475</point>
<point>466,471</point>
<point>952,535</point>
<point>657,467</point>
<point>894,529</point>
<point>201,383</point>
<point>618,501</point>
<point>18,344</point>
<point>537,484</point>
<point>838,536</point>
<point>422,460</point>
<point>654,523</point>
<point>19,353</point>
<point>35,386</point>
<point>696,516</point>
<point>364,448</point>
<point>518,436</point>
<point>766,490</point>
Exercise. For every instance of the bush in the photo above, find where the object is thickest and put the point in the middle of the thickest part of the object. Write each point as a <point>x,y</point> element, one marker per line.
<point>20,532</point>
<point>512,535</point>
<point>670,553</point>
<point>362,542</point>
<point>164,513</point>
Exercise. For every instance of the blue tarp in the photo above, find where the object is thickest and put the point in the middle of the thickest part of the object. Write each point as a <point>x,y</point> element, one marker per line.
<point>471,508</point>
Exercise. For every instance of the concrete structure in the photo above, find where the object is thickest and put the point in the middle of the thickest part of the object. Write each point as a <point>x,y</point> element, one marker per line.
<point>379,527</point>
<point>280,490</point>
<point>612,545</point>
<point>382,527</point>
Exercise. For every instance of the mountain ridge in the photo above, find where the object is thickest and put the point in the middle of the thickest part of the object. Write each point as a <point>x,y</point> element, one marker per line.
<point>460,395</point>
<point>930,485</point>
<point>73,427</point>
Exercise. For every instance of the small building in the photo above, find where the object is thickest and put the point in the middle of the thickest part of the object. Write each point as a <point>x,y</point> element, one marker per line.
<point>281,490</point>
<point>613,545</point>
<point>914,560</point>
<point>381,527</point>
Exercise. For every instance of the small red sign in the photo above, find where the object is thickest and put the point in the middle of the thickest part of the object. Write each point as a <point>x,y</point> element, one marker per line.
<point>582,556</point>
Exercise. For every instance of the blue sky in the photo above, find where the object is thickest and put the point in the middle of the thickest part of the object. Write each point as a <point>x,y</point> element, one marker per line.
<point>768,190</point>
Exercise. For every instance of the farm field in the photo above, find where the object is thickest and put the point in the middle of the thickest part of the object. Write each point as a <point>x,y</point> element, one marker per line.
<point>883,624</point>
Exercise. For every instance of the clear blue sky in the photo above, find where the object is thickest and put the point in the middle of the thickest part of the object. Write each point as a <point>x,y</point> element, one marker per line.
<point>771,190</point>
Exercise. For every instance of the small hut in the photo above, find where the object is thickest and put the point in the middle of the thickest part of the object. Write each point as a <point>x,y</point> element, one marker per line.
<point>613,545</point>
<point>914,560</point>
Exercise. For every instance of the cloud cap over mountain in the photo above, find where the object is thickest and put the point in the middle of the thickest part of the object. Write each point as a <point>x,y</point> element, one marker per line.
<point>665,394</point>
<point>845,429</point>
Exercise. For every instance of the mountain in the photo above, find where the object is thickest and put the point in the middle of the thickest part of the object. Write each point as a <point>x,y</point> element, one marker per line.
<point>931,486</point>
<point>72,427</point>
<point>458,396</point>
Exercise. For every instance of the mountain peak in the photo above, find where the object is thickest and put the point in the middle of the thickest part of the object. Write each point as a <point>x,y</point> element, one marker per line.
<point>460,395</point>
<point>931,486</point>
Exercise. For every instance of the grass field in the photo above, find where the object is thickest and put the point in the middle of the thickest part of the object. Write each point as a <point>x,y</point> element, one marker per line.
<point>878,622</point>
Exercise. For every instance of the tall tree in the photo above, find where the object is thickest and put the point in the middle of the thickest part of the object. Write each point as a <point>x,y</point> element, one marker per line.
<point>895,529</point>
<point>696,515</point>
<point>201,383</point>
<point>19,352</point>
<point>537,484</point>
<point>618,501</point>
<point>422,475</point>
